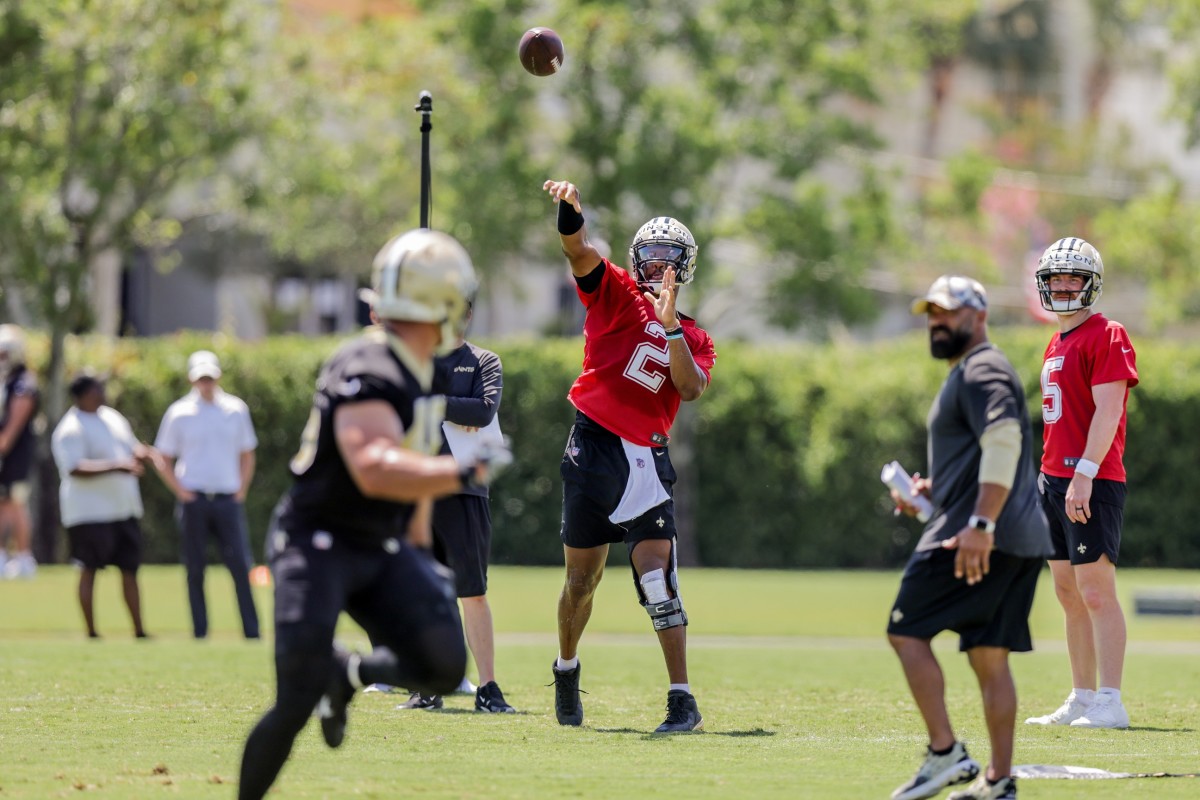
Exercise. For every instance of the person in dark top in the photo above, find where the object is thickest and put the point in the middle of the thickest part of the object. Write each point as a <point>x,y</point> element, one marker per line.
<point>367,468</point>
<point>18,406</point>
<point>472,379</point>
<point>976,565</point>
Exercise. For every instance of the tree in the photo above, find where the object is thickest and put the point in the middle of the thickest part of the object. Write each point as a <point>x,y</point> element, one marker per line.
<point>106,108</point>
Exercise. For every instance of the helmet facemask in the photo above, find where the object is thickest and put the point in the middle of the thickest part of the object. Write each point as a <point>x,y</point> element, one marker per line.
<point>661,243</point>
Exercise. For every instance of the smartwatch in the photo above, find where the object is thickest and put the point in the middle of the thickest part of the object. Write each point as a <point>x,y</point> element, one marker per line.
<point>982,523</point>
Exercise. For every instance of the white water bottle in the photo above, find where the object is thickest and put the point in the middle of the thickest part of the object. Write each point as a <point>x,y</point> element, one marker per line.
<point>896,477</point>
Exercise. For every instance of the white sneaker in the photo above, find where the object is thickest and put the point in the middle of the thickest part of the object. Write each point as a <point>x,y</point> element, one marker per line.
<point>1104,712</point>
<point>21,565</point>
<point>1067,713</point>
<point>379,688</point>
<point>938,772</point>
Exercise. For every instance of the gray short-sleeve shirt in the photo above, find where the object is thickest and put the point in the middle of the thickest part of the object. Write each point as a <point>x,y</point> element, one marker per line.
<point>980,391</point>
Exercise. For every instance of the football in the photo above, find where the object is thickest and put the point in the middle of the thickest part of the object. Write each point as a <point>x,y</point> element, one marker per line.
<point>541,51</point>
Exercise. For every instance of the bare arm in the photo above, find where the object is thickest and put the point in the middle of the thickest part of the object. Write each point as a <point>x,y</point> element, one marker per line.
<point>580,253</point>
<point>165,465</point>
<point>369,436</point>
<point>690,381</point>
<point>1110,406</point>
<point>246,464</point>
<point>19,414</point>
<point>90,467</point>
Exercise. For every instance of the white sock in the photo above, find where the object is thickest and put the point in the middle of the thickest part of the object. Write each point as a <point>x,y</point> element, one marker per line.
<point>566,664</point>
<point>352,664</point>
<point>1085,695</point>
<point>1115,694</point>
<point>681,687</point>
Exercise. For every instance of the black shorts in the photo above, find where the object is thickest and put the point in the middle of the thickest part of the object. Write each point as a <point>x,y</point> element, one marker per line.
<point>462,540</point>
<point>96,545</point>
<point>992,613</point>
<point>600,473</point>
<point>1079,543</point>
<point>394,593</point>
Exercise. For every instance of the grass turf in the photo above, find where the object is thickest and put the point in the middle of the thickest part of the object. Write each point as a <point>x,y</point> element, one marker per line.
<point>801,698</point>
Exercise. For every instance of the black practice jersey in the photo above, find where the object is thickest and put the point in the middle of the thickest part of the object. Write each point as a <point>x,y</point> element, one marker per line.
<point>472,380</point>
<point>324,495</point>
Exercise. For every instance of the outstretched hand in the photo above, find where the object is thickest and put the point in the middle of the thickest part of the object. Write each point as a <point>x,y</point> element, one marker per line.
<point>564,191</point>
<point>664,303</point>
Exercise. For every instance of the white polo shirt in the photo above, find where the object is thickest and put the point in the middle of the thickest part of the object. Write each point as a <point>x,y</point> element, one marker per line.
<point>207,441</point>
<point>105,435</point>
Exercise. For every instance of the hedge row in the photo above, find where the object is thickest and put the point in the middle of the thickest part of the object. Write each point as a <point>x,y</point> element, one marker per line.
<point>779,460</point>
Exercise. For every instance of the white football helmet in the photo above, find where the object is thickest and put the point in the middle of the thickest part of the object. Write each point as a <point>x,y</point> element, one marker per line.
<point>1070,256</point>
<point>660,243</point>
<point>12,347</point>
<point>424,276</point>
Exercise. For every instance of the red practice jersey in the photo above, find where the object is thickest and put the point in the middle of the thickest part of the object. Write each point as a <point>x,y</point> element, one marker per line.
<point>1098,351</point>
<point>626,380</point>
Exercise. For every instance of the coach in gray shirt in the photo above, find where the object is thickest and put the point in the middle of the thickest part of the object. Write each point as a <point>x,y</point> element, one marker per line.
<point>208,442</point>
<point>976,567</point>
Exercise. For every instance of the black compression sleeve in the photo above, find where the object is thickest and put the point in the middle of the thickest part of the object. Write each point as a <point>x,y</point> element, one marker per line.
<point>569,220</point>
<point>591,282</point>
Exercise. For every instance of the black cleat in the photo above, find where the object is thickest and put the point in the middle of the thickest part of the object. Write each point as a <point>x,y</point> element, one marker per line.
<point>567,705</point>
<point>425,702</point>
<point>682,713</point>
<point>332,708</point>
<point>489,698</point>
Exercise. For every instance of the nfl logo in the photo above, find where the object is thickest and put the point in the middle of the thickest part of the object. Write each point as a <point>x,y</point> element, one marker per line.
<point>641,463</point>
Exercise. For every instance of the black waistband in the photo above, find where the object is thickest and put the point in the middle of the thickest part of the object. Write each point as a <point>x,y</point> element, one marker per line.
<point>212,495</point>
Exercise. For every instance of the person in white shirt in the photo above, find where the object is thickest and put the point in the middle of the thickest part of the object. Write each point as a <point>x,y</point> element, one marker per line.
<point>99,460</point>
<point>207,441</point>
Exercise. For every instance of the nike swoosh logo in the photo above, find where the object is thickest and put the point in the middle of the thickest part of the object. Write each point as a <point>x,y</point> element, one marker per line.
<point>1126,349</point>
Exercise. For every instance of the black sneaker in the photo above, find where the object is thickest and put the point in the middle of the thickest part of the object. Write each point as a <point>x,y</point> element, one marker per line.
<point>489,698</point>
<point>567,705</point>
<point>332,708</point>
<point>425,702</point>
<point>682,713</point>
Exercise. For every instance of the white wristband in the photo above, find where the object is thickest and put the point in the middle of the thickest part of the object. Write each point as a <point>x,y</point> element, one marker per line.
<point>1088,468</point>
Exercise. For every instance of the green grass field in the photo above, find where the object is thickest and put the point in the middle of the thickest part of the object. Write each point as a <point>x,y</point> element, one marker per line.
<point>800,694</point>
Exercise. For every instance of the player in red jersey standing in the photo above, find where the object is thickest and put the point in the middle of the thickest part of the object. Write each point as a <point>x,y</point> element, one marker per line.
<point>641,358</point>
<point>1087,373</point>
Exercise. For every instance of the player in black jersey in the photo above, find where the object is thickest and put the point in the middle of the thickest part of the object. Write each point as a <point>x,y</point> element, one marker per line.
<point>368,470</point>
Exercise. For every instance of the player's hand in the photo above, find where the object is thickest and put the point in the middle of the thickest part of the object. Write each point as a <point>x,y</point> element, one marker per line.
<point>664,304</point>
<point>564,191</point>
<point>491,459</point>
<point>132,466</point>
<point>973,559</point>
<point>1079,499</point>
<point>905,505</point>
<point>185,495</point>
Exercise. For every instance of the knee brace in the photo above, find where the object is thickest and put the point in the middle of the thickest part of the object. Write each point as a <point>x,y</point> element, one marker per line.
<point>665,611</point>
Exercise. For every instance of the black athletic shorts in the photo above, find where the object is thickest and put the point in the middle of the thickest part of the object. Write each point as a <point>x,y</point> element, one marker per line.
<point>1079,543</point>
<point>96,545</point>
<point>992,613</point>
<point>395,592</point>
<point>597,473</point>
<point>462,540</point>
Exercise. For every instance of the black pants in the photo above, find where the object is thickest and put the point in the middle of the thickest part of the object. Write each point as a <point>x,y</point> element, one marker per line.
<point>223,518</point>
<point>402,598</point>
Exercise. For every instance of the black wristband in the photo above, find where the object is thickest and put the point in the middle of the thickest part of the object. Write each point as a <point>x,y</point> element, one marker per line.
<point>569,220</point>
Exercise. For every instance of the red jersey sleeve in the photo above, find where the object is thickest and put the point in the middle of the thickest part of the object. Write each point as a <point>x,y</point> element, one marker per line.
<point>1115,359</point>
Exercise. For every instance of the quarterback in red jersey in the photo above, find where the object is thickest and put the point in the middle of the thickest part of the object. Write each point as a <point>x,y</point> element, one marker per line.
<point>1087,372</point>
<point>641,358</point>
